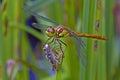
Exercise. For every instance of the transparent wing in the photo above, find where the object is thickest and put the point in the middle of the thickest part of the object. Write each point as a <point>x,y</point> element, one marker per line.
<point>39,16</point>
<point>81,48</point>
<point>40,26</point>
<point>36,5</point>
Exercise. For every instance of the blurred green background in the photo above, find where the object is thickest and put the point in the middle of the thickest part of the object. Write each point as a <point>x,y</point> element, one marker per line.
<point>22,58</point>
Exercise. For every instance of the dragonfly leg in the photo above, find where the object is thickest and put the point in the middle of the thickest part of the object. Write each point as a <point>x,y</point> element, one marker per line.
<point>47,40</point>
<point>60,52</point>
<point>53,40</point>
<point>63,42</point>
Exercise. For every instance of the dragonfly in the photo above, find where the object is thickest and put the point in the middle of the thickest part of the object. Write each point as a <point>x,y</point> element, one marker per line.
<point>55,33</point>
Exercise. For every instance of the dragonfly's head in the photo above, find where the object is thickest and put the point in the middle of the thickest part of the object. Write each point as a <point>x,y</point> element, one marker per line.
<point>50,32</point>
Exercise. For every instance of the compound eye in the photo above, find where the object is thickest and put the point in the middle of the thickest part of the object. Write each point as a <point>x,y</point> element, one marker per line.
<point>59,29</point>
<point>50,30</point>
